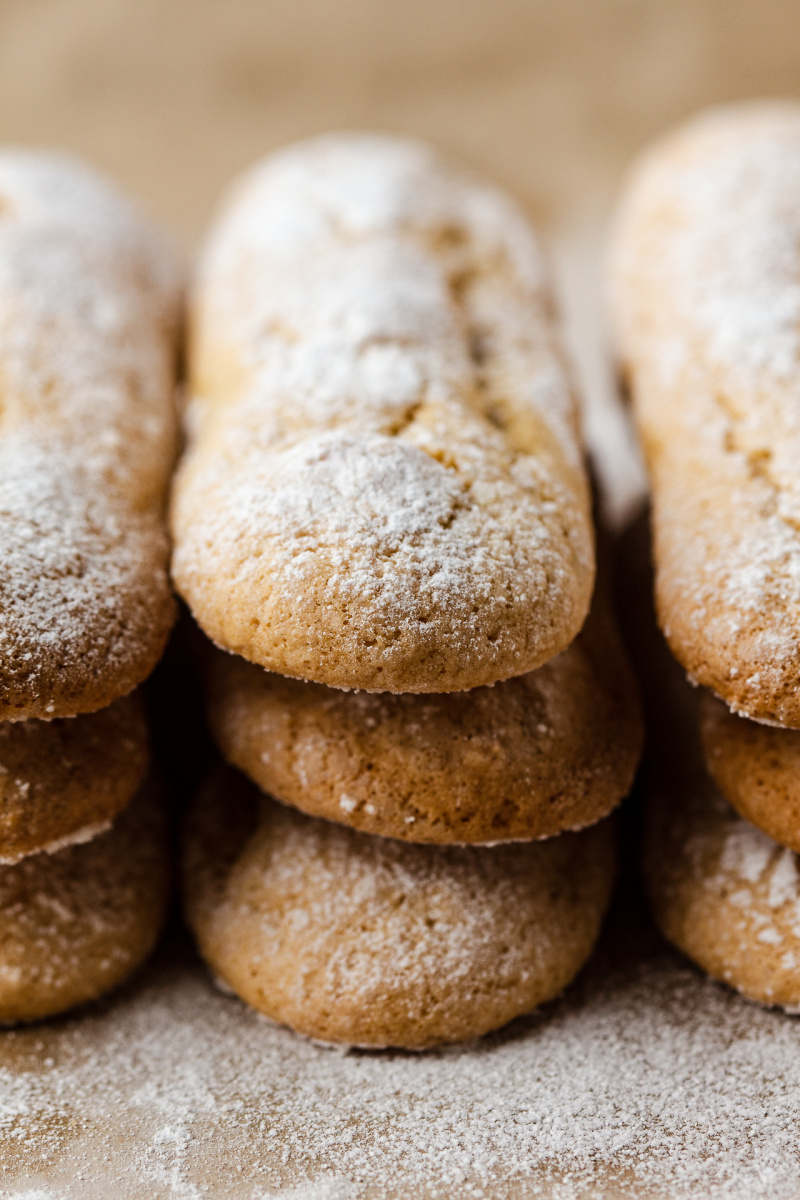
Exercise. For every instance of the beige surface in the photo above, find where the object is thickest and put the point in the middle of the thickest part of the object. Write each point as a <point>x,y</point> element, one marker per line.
<point>644,1081</point>
<point>174,96</point>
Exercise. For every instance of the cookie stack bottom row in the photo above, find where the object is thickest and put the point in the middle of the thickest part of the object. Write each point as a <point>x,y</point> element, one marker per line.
<point>88,322</point>
<point>721,819</point>
<point>371,940</point>
<point>84,866</point>
<point>721,852</point>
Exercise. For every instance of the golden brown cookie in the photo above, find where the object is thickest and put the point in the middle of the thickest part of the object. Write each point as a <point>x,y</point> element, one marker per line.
<point>725,893</point>
<point>551,750</point>
<point>77,923</point>
<point>383,487</point>
<point>88,328</point>
<point>374,942</point>
<point>757,769</point>
<point>64,781</point>
<point>707,296</point>
<point>721,890</point>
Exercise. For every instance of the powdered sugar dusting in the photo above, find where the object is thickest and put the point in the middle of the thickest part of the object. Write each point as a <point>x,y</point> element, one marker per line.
<point>362,295</point>
<point>751,856</point>
<point>733,267</point>
<point>323,277</point>
<point>747,852</point>
<point>644,1081</point>
<point>707,280</point>
<point>88,300</point>
<point>74,560</point>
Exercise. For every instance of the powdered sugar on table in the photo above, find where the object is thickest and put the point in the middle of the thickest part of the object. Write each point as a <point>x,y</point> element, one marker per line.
<point>645,1080</point>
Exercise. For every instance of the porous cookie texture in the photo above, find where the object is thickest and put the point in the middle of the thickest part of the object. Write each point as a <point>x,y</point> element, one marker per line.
<point>375,942</point>
<point>383,487</point>
<point>527,758</point>
<point>706,282</point>
<point>64,781</point>
<point>77,923</point>
<point>757,768</point>
<point>725,893</point>
<point>88,326</point>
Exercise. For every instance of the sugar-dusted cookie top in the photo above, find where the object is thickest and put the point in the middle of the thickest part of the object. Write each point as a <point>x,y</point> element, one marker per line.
<point>706,284</point>
<point>383,487</point>
<point>88,326</point>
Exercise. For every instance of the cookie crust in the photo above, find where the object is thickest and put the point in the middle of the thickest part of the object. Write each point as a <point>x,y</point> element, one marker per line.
<point>65,781</point>
<point>77,923</point>
<point>757,769</point>
<point>383,487</point>
<point>527,758</point>
<point>725,894</point>
<point>374,942</point>
<point>706,280</point>
<point>89,309</point>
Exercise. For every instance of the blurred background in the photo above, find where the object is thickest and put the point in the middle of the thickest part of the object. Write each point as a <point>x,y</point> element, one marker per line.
<point>173,97</point>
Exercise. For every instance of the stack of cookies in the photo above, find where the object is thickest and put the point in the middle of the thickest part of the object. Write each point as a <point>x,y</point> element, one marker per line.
<point>383,518</point>
<point>707,293</point>
<point>88,326</point>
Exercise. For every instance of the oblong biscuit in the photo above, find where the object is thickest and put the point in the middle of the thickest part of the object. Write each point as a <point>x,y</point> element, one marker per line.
<point>527,758</point>
<point>88,325</point>
<point>721,890</point>
<point>64,781</point>
<point>374,942</point>
<point>706,282</point>
<point>726,894</point>
<point>757,769</point>
<point>383,487</point>
<point>77,923</point>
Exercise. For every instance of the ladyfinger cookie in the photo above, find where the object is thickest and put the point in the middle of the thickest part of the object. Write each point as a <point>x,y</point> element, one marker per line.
<point>384,486</point>
<point>551,750</point>
<point>706,283</point>
<point>722,891</point>
<point>77,923</point>
<point>374,942</point>
<point>63,782</point>
<point>88,325</point>
<point>757,769</point>
<point>725,894</point>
